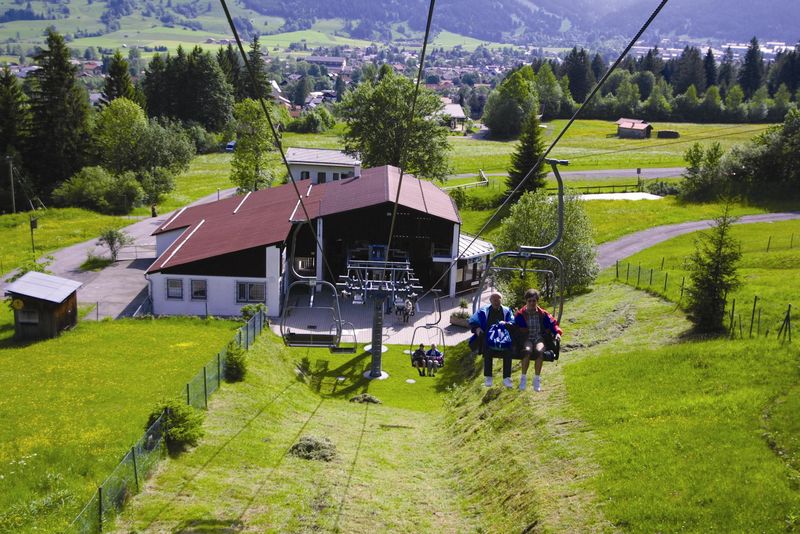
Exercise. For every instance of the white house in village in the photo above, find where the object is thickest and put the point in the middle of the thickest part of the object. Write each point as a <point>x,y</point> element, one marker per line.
<point>214,258</point>
<point>321,165</point>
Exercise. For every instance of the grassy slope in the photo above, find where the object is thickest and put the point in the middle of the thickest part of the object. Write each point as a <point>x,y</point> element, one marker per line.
<point>390,473</point>
<point>773,276</point>
<point>71,406</point>
<point>58,228</point>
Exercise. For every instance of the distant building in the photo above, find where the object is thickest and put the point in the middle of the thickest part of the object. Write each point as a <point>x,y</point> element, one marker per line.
<point>321,165</point>
<point>43,305</point>
<point>332,63</point>
<point>633,129</point>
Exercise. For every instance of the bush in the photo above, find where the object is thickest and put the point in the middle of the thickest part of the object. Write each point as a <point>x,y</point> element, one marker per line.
<point>250,310</point>
<point>96,189</point>
<point>235,363</point>
<point>204,142</point>
<point>184,424</point>
<point>662,188</point>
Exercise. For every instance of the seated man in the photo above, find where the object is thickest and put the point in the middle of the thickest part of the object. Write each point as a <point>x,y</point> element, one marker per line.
<point>490,326</point>
<point>435,360</point>
<point>534,323</point>
<point>419,360</point>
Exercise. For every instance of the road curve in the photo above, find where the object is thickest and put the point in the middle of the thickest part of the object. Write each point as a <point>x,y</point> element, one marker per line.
<point>610,253</point>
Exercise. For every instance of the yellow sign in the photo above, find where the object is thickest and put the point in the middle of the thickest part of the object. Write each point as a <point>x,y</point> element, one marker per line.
<point>17,304</point>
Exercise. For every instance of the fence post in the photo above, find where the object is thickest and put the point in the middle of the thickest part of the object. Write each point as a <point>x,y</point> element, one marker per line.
<point>758,331</point>
<point>205,387</point>
<point>135,468</point>
<point>617,270</point>
<point>666,276</point>
<point>753,315</point>
<point>188,395</point>
<point>627,274</point>
<point>741,335</point>
<point>791,245</point>
<point>682,282</point>
<point>100,507</point>
<point>651,278</point>
<point>662,263</point>
<point>219,369</point>
<point>769,241</point>
<point>733,311</point>
<point>638,275</point>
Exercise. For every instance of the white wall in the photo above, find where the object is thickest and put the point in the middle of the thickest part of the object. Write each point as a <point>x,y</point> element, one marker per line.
<point>314,169</point>
<point>221,291</point>
<point>163,241</point>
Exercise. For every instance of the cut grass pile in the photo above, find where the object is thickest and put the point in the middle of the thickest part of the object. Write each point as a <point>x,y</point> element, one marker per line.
<point>71,407</point>
<point>389,473</point>
<point>57,228</point>
<point>773,276</point>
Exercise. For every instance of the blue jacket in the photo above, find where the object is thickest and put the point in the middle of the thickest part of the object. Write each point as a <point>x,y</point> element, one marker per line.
<point>480,319</point>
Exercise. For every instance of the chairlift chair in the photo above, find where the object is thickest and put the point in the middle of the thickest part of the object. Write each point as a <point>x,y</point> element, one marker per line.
<point>438,331</point>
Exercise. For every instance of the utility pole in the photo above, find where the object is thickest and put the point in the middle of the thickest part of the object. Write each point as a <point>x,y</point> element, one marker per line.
<point>11,177</point>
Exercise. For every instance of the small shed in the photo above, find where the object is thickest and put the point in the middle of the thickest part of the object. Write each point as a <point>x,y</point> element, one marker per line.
<point>43,305</point>
<point>633,129</point>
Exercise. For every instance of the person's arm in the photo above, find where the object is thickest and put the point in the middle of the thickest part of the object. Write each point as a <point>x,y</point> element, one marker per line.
<point>475,322</point>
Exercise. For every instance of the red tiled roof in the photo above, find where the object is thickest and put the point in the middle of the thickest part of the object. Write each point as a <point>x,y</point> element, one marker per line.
<point>265,217</point>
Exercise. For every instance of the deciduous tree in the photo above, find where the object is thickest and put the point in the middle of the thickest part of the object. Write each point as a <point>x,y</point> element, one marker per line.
<point>250,165</point>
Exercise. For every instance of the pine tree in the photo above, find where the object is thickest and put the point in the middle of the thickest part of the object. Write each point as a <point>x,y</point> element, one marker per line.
<point>13,112</point>
<point>726,74</point>
<point>154,86</point>
<point>581,78</point>
<point>256,60</point>
<point>231,65</point>
<point>528,151</point>
<point>118,81</point>
<point>689,71</point>
<point>713,274</point>
<point>752,74</point>
<point>207,92</point>
<point>56,146</point>
<point>599,66</point>
<point>710,66</point>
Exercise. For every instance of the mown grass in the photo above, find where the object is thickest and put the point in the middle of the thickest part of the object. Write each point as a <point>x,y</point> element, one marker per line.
<point>773,276</point>
<point>682,435</point>
<point>389,473</point>
<point>71,407</point>
<point>57,228</point>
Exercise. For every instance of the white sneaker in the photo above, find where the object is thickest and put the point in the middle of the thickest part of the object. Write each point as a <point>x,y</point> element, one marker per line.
<point>487,382</point>
<point>537,383</point>
<point>507,382</point>
<point>523,382</point>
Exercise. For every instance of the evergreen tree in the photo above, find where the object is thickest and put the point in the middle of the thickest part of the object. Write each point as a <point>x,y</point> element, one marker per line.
<point>726,74</point>
<point>549,92</point>
<point>231,65</point>
<point>301,90</point>
<point>599,66</point>
<point>751,76</point>
<point>785,71</point>
<point>689,70</point>
<point>713,275</point>
<point>56,145</point>
<point>528,151</point>
<point>175,77</point>
<point>13,113</point>
<point>652,62</point>
<point>118,83</point>
<point>340,87</point>
<point>581,78</point>
<point>154,88</point>
<point>710,66</point>
<point>256,60</point>
<point>207,92</point>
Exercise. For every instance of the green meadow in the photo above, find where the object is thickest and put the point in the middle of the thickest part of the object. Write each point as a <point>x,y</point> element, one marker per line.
<point>73,405</point>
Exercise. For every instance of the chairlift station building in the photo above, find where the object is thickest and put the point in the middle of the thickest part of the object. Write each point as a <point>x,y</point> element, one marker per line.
<point>214,258</point>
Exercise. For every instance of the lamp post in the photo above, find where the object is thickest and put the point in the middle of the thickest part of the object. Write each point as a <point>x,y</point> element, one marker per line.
<point>34,226</point>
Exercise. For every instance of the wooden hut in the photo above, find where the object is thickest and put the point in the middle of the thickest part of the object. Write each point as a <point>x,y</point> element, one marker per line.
<point>43,305</point>
<point>633,129</point>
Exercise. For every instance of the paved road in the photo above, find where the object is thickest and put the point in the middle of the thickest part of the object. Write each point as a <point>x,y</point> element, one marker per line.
<point>648,174</point>
<point>609,253</point>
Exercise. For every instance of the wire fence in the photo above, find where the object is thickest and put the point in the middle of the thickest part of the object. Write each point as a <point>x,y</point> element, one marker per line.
<point>764,318</point>
<point>140,461</point>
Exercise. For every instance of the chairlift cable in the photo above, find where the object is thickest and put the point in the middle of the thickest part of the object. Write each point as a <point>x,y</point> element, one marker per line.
<point>564,130</point>
<point>404,133</point>
<point>274,130</point>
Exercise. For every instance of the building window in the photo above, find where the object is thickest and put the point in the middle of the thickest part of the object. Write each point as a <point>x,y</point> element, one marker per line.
<point>175,289</point>
<point>29,317</point>
<point>336,176</point>
<point>305,175</point>
<point>199,290</point>
<point>251,292</point>
<point>321,177</point>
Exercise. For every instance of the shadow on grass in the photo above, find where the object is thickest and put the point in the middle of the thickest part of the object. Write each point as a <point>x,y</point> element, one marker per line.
<point>459,367</point>
<point>216,526</point>
<point>325,380</point>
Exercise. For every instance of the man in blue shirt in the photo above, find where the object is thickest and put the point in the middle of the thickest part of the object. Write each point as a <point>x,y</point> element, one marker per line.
<point>490,326</point>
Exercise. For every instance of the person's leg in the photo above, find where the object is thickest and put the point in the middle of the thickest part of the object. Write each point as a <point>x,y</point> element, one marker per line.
<point>537,366</point>
<point>524,364</point>
<point>430,367</point>
<point>487,367</point>
<point>507,369</point>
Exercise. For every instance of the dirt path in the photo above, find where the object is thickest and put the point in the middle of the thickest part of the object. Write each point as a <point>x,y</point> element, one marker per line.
<point>610,253</point>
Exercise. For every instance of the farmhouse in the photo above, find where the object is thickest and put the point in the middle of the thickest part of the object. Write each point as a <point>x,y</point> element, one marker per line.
<point>321,165</point>
<point>43,305</point>
<point>216,257</point>
<point>633,129</point>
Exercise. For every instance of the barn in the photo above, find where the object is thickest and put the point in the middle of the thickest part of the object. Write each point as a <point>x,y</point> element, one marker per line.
<point>633,129</point>
<point>215,258</point>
